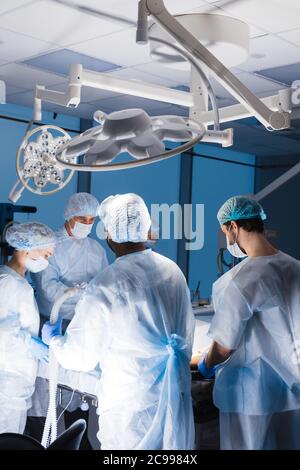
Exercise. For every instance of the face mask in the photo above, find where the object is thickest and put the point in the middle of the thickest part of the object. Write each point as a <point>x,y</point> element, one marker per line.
<point>36,265</point>
<point>81,230</point>
<point>234,249</point>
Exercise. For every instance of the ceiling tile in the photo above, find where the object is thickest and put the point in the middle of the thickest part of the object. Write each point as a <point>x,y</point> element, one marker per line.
<point>27,77</point>
<point>179,77</point>
<point>60,61</point>
<point>272,15</point>
<point>270,51</point>
<point>291,36</point>
<point>129,8</point>
<point>8,5</point>
<point>22,99</point>
<point>132,73</point>
<point>286,74</point>
<point>15,47</point>
<point>120,48</point>
<point>10,90</point>
<point>55,23</point>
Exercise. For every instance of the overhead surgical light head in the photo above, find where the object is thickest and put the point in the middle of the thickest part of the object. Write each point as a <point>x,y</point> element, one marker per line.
<point>132,131</point>
<point>48,156</point>
<point>36,162</point>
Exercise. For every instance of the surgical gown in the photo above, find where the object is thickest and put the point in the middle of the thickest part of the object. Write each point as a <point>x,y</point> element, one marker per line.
<point>136,321</point>
<point>73,263</point>
<point>19,319</point>
<point>257,315</point>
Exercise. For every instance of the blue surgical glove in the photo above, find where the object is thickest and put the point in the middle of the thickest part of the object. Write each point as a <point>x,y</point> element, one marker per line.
<point>207,372</point>
<point>50,330</point>
<point>39,349</point>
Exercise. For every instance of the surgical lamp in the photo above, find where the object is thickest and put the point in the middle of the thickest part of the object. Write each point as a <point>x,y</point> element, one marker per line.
<point>133,130</point>
<point>36,162</point>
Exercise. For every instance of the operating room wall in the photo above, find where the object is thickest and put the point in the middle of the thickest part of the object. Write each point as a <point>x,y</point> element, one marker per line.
<point>213,183</point>
<point>49,208</point>
<point>281,206</point>
<point>156,184</point>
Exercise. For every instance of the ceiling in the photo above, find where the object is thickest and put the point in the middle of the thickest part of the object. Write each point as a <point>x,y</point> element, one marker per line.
<point>40,38</point>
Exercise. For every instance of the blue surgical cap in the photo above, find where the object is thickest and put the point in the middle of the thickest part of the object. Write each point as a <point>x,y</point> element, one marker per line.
<point>30,236</point>
<point>240,207</point>
<point>81,204</point>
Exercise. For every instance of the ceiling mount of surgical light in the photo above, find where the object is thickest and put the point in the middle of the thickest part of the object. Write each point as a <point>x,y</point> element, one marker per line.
<point>172,40</point>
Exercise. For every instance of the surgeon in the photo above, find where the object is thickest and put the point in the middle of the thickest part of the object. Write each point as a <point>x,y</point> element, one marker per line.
<point>135,320</point>
<point>256,337</point>
<point>77,259</point>
<point>20,347</point>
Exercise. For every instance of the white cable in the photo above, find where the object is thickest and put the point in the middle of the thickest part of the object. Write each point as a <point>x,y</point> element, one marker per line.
<point>66,407</point>
<point>50,429</point>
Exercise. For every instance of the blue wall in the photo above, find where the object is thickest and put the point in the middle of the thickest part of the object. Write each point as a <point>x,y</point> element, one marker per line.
<point>50,208</point>
<point>157,183</point>
<point>282,205</point>
<point>213,183</point>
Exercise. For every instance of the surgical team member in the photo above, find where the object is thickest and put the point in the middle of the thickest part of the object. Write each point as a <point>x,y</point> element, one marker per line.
<point>135,320</point>
<point>19,322</point>
<point>256,331</point>
<point>77,259</point>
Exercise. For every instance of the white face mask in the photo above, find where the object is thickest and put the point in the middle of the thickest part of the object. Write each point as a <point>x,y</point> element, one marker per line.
<point>81,230</point>
<point>234,249</point>
<point>36,265</point>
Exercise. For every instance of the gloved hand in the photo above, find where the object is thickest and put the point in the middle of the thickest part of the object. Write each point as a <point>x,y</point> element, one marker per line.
<point>50,330</point>
<point>207,372</point>
<point>39,349</point>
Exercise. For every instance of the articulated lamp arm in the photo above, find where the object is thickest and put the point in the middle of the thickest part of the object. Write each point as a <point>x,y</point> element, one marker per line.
<point>272,120</point>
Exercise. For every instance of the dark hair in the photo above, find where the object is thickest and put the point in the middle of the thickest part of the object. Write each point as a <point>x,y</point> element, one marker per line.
<point>250,225</point>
